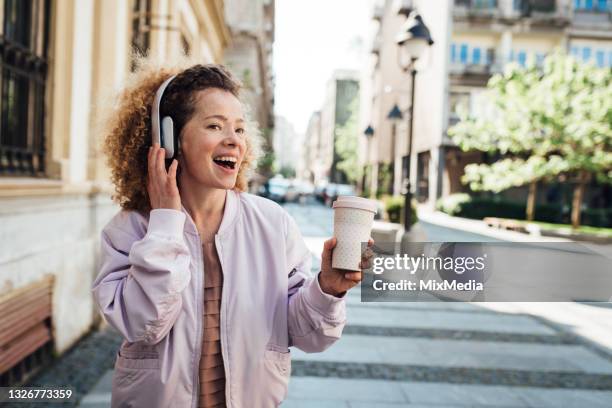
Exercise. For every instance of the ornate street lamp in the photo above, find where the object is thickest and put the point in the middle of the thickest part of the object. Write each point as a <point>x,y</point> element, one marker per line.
<point>394,115</point>
<point>412,41</point>
<point>369,133</point>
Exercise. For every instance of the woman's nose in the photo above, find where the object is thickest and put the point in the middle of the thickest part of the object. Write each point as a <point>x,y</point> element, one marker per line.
<point>232,138</point>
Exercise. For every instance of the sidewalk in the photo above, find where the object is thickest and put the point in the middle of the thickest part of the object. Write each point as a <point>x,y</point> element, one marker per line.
<point>448,354</point>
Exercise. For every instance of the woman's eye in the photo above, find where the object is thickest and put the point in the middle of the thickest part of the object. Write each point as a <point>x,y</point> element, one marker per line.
<point>215,127</point>
<point>240,131</point>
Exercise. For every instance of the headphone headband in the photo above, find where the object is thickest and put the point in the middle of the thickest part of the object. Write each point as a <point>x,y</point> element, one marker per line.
<point>155,119</point>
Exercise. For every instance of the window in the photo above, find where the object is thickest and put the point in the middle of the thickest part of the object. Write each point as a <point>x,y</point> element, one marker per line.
<point>575,52</point>
<point>463,54</point>
<point>600,56</point>
<point>476,55</point>
<point>522,58</point>
<point>540,56</point>
<point>141,28</point>
<point>453,52</point>
<point>23,59</point>
<point>598,5</point>
<point>586,54</point>
<point>489,56</point>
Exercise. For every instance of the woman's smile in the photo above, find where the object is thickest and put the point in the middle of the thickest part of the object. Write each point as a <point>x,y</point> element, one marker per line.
<point>227,162</point>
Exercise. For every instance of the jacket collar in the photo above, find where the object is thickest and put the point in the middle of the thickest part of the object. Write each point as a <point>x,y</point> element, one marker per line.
<point>230,215</point>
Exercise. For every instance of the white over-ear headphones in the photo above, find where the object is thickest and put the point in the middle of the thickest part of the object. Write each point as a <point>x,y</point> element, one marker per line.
<point>164,135</point>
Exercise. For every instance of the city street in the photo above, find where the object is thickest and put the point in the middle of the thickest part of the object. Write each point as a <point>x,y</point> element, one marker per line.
<point>484,126</point>
<point>447,354</point>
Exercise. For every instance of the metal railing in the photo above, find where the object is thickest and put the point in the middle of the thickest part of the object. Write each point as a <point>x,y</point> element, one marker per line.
<point>477,4</point>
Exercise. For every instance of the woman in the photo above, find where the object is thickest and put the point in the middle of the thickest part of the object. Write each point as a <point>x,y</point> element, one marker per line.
<point>208,285</point>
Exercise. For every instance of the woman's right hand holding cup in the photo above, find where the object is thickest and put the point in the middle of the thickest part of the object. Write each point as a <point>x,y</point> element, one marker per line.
<point>161,184</point>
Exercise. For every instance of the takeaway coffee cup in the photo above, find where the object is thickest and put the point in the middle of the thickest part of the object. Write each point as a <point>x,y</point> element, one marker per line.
<point>353,218</point>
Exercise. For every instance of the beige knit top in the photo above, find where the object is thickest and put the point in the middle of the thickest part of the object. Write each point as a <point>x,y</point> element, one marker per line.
<point>212,373</point>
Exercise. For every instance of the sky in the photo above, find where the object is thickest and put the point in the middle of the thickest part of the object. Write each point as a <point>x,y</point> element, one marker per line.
<point>312,39</point>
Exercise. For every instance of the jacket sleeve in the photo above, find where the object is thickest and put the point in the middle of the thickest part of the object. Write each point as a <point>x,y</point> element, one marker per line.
<point>315,319</point>
<point>138,289</point>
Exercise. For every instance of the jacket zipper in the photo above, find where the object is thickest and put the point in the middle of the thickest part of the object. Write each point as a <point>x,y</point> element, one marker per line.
<point>200,317</point>
<point>222,334</point>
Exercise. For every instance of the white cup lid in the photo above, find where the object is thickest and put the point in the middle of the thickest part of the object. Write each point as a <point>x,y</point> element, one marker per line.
<point>356,202</point>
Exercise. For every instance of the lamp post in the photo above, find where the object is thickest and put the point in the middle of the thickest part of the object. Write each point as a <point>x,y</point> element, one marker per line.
<point>368,133</point>
<point>395,115</point>
<point>412,41</point>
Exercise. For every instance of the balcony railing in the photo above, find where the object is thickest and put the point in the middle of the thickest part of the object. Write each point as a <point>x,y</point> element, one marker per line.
<point>466,58</point>
<point>528,7</point>
<point>476,8</point>
<point>594,6</point>
<point>477,4</point>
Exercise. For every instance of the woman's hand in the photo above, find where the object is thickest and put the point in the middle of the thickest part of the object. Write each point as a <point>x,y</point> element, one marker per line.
<point>161,185</point>
<point>337,281</point>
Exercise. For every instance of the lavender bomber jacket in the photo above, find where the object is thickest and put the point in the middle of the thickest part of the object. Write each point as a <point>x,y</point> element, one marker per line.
<point>150,289</point>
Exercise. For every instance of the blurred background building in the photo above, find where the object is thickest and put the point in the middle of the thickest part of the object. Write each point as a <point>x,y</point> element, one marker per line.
<point>287,147</point>
<point>251,23</point>
<point>321,155</point>
<point>312,170</point>
<point>474,40</point>
<point>59,60</point>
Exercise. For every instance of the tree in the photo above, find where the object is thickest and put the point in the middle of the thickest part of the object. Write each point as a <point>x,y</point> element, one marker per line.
<point>546,121</point>
<point>287,172</point>
<point>346,144</point>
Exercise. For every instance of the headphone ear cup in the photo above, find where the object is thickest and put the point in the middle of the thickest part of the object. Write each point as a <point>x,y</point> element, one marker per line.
<point>168,136</point>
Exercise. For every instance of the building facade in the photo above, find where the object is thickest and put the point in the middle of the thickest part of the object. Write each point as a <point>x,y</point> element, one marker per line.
<point>287,145</point>
<point>311,168</point>
<point>342,88</point>
<point>474,39</point>
<point>384,85</point>
<point>251,23</point>
<point>60,59</point>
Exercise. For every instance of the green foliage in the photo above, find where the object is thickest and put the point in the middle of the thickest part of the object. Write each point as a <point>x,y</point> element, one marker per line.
<point>247,78</point>
<point>394,207</point>
<point>463,205</point>
<point>453,203</point>
<point>287,172</point>
<point>515,172</point>
<point>266,164</point>
<point>385,172</point>
<point>346,144</point>
<point>549,121</point>
<point>367,171</point>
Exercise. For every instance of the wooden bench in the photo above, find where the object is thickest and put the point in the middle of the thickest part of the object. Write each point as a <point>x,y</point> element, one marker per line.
<point>25,330</point>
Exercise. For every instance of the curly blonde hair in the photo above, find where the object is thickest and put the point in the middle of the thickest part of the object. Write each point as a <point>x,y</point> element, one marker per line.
<point>126,126</point>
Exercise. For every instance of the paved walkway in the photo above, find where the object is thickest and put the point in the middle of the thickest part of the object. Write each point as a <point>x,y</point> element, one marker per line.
<point>447,354</point>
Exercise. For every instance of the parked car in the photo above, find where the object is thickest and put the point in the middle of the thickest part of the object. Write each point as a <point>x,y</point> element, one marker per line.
<point>328,192</point>
<point>332,194</point>
<point>319,191</point>
<point>278,189</point>
<point>304,189</point>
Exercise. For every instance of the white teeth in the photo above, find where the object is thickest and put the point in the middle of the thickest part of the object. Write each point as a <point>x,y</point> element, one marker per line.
<point>226,158</point>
